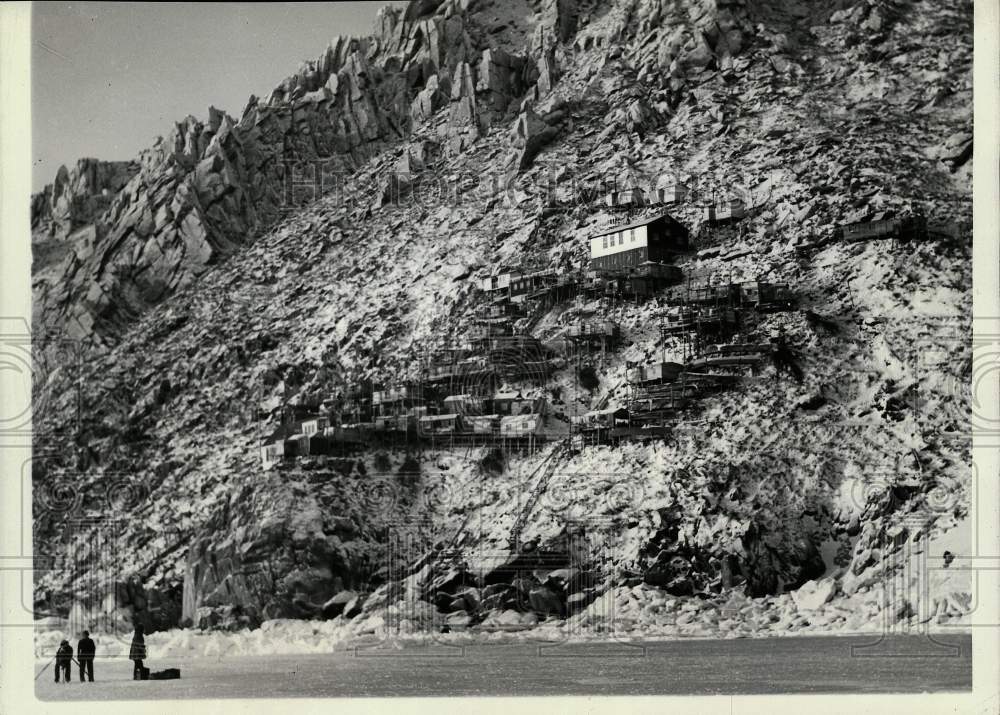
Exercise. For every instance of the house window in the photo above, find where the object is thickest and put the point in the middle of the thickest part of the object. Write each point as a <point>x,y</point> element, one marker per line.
<point>631,235</point>
<point>604,241</point>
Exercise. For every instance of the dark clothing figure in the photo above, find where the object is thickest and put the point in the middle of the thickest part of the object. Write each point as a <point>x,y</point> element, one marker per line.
<point>85,650</point>
<point>137,652</point>
<point>64,658</point>
<point>86,667</point>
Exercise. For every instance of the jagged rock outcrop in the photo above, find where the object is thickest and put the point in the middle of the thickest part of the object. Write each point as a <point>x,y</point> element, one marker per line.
<point>78,196</point>
<point>502,81</point>
<point>412,161</point>
<point>209,187</point>
<point>464,125</point>
<point>530,133</point>
<point>548,74</point>
<point>292,547</point>
<point>435,95</point>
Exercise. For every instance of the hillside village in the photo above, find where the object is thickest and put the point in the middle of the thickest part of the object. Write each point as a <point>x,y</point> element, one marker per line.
<point>461,394</point>
<point>695,368</point>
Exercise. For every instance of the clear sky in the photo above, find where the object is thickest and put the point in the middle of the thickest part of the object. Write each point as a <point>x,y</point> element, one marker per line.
<point>108,78</point>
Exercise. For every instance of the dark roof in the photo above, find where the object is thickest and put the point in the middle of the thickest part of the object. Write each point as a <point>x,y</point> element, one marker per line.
<point>283,431</point>
<point>635,224</point>
<point>289,429</point>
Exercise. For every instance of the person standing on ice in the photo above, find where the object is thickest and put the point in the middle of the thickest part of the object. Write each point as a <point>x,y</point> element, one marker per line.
<point>85,650</point>
<point>64,658</point>
<point>137,652</point>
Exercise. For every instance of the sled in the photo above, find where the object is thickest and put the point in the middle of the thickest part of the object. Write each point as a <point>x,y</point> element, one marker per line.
<point>168,674</point>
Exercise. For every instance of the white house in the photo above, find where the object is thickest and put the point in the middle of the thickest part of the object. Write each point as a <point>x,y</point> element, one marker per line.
<point>440,424</point>
<point>485,424</point>
<point>653,238</point>
<point>272,454</point>
<point>463,404</point>
<point>671,193</point>
<point>625,197</point>
<point>725,211</point>
<point>521,425</point>
<point>316,425</point>
<point>500,281</point>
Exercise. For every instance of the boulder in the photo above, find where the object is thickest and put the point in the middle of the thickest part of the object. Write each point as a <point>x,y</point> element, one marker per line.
<point>580,600</point>
<point>529,134</point>
<point>495,588</point>
<point>451,581</point>
<point>517,601</point>
<point>564,578</point>
<point>658,575</point>
<point>442,601</point>
<point>354,606</point>
<point>813,594</point>
<point>697,55</point>
<point>545,601</point>
<point>509,617</point>
<point>956,150</point>
<point>523,585</point>
<point>680,586</point>
<point>495,601</point>
<point>338,603</point>
<point>226,618</point>
<point>470,599</point>
<point>458,620</point>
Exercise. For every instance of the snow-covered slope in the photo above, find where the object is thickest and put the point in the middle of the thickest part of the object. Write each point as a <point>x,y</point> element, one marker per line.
<point>817,119</point>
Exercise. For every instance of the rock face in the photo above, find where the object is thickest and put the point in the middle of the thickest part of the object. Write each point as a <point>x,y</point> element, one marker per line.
<point>464,124</point>
<point>812,595</point>
<point>503,80</point>
<point>342,294</point>
<point>209,187</point>
<point>435,94</point>
<point>79,196</point>
<point>291,551</point>
<point>957,150</point>
<point>125,605</point>
<point>529,134</point>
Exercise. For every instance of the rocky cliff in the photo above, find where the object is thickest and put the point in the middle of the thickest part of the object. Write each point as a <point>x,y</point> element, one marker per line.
<point>77,198</point>
<point>462,137</point>
<point>211,186</point>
